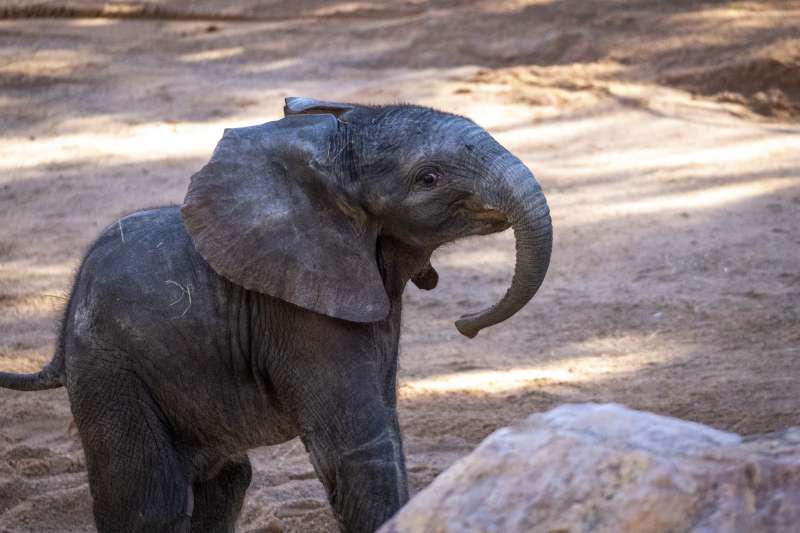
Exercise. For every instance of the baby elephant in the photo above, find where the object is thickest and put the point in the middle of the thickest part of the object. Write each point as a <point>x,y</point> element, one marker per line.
<point>268,306</point>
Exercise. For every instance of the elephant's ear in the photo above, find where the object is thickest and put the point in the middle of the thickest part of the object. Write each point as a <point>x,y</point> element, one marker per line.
<point>296,105</point>
<point>266,213</point>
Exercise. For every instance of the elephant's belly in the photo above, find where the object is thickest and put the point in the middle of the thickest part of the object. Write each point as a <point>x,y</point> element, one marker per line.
<point>214,403</point>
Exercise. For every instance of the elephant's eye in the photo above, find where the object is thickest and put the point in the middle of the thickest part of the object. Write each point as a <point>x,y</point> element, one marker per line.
<point>427,179</point>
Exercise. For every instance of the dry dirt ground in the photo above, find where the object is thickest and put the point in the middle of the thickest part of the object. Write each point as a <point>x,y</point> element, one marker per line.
<point>665,134</point>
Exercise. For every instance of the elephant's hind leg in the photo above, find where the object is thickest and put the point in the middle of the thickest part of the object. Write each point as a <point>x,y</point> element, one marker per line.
<point>138,480</point>
<point>218,501</point>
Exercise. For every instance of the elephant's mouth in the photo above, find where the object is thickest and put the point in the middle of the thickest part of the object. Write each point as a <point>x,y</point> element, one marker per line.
<point>427,278</point>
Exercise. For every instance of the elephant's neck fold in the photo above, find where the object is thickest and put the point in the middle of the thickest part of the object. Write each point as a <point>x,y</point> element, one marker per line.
<point>398,263</point>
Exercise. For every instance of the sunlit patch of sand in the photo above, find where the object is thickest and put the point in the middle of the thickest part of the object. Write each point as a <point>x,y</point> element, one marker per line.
<point>146,142</point>
<point>685,202</point>
<point>24,361</point>
<point>212,55</point>
<point>271,66</point>
<point>93,22</point>
<point>732,18</point>
<point>485,258</point>
<point>606,358</point>
<point>30,305</point>
<point>705,153</point>
<point>57,62</point>
<point>506,6</point>
<point>29,290</point>
<point>29,268</point>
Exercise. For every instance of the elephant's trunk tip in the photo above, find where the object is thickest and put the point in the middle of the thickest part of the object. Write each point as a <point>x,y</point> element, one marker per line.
<point>467,327</point>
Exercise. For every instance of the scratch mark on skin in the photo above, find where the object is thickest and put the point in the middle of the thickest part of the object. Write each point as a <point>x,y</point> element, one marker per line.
<point>121,233</point>
<point>185,291</point>
<point>189,294</point>
<point>335,157</point>
<point>168,282</point>
<point>339,153</point>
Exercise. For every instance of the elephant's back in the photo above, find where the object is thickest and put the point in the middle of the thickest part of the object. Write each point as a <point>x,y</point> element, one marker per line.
<point>143,273</point>
<point>148,242</point>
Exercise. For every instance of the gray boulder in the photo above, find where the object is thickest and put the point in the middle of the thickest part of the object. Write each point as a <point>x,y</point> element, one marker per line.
<point>606,468</point>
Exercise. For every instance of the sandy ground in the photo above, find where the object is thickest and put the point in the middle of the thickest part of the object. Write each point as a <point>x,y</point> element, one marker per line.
<point>665,135</point>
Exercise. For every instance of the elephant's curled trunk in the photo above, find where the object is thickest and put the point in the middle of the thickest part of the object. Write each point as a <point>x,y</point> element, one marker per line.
<point>517,194</point>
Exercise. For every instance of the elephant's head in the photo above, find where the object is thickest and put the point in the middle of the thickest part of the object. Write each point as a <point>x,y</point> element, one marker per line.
<point>293,208</point>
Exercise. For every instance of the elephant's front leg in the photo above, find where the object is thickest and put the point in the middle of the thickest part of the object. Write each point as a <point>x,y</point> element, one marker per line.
<point>357,451</point>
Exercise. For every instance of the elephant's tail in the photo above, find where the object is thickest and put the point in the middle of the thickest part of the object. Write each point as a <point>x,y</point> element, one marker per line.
<point>49,377</point>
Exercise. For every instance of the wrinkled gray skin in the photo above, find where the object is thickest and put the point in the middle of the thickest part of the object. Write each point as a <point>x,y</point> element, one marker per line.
<point>268,306</point>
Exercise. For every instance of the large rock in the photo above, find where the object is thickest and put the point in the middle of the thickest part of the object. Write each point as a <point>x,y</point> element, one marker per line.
<point>606,468</point>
